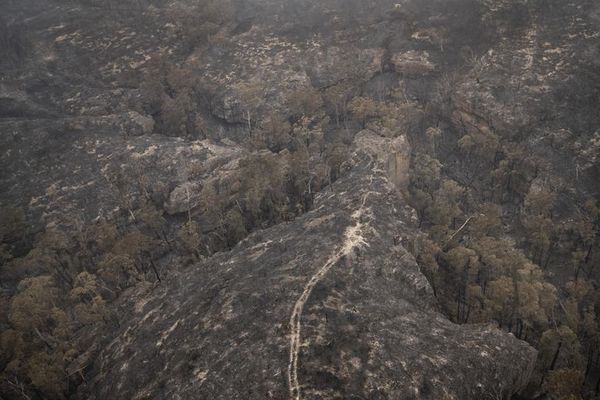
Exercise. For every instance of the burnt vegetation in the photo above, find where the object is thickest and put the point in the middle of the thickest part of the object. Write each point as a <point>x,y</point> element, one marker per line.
<point>508,213</point>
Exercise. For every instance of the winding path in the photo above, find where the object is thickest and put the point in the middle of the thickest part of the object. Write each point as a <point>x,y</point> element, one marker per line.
<point>353,237</point>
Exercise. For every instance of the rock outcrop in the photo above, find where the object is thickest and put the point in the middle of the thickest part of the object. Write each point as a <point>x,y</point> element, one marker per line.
<point>70,165</point>
<point>330,306</point>
<point>412,63</point>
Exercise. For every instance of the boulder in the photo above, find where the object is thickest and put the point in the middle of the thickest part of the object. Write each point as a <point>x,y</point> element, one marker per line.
<point>227,108</point>
<point>137,124</point>
<point>183,198</point>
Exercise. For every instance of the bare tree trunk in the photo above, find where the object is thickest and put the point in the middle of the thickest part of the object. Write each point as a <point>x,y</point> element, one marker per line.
<point>189,207</point>
<point>62,271</point>
<point>468,313</point>
<point>577,271</point>
<point>44,339</point>
<point>588,365</point>
<point>549,254</point>
<point>18,387</point>
<point>155,270</point>
<point>555,358</point>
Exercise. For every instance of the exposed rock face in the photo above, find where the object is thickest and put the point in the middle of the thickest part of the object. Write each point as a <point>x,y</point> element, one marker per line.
<point>328,306</point>
<point>393,153</point>
<point>412,63</point>
<point>183,197</point>
<point>69,163</point>
<point>228,109</point>
<point>138,124</point>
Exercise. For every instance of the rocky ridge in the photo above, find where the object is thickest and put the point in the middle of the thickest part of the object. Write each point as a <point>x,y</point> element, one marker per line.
<point>330,305</point>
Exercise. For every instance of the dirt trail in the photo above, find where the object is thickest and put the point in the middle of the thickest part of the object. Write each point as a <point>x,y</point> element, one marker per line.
<point>353,237</point>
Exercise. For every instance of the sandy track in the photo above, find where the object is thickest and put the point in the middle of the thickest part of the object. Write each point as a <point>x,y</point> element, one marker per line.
<point>353,237</point>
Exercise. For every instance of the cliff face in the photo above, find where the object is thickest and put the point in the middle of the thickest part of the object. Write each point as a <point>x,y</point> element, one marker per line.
<point>330,305</point>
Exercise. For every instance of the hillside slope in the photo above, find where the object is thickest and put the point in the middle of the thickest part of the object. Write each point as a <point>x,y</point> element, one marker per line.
<point>299,199</point>
<point>328,306</point>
